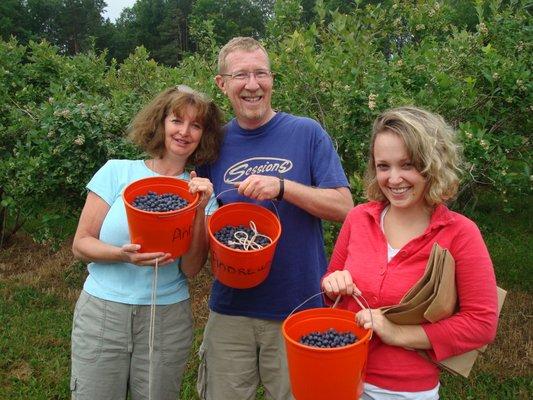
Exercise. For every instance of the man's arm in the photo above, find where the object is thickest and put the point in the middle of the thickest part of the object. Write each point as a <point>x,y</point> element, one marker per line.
<point>329,204</point>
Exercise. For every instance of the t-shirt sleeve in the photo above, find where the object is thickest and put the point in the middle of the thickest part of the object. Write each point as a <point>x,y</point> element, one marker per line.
<point>327,171</point>
<point>474,325</point>
<point>104,182</point>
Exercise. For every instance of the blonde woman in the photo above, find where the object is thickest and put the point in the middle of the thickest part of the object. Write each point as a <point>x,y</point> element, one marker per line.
<point>384,245</point>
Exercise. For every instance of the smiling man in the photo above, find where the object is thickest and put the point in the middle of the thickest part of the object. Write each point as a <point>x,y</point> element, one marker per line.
<point>267,156</point>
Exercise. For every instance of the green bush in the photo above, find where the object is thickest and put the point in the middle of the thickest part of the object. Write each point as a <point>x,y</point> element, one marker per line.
<point>62,117</point>
<point>347,68</point>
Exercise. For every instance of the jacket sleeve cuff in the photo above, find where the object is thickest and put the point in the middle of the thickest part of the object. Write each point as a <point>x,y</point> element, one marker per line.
<point>439,338</point>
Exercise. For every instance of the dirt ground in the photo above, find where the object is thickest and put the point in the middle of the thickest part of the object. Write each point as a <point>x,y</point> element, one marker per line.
<point>56,272</point>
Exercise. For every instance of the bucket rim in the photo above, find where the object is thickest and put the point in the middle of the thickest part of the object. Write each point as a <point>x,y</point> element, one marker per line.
<point>360,341</point>
<point>263,209</point>
<point>244,251</point>
<point>188,207</point>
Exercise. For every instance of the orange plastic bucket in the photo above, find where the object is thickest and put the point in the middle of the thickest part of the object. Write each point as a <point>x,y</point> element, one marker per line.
<point>239,268</point>
<point>169,231</point>
<point>325,373</point>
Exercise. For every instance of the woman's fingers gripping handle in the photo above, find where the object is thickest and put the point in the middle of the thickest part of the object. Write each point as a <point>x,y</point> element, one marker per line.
<point>202,186</point>
<point>339,283</point>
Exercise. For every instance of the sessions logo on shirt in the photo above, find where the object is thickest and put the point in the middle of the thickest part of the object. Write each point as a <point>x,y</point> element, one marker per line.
<point>257,165</point>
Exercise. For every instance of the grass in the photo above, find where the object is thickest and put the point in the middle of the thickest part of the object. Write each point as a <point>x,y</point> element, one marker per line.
<point>486,386</point>
<point>35,344</point>
<point>508,237</point>
<point>39,286</point>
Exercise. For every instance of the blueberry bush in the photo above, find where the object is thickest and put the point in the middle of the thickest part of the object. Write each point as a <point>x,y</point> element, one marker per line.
<point>62,117</point>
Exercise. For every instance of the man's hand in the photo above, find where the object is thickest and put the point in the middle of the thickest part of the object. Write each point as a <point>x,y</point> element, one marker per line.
<point>259,187</point>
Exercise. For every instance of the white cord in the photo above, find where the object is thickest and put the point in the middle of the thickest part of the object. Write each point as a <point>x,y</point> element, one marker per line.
<point>151,331</point>
<point>249,243</point>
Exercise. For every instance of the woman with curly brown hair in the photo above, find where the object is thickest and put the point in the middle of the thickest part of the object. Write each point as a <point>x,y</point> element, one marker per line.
<point>113,316</point>
<point>384,245</point>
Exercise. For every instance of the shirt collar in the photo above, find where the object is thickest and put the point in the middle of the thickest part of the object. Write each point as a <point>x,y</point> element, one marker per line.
<point>441,214</point>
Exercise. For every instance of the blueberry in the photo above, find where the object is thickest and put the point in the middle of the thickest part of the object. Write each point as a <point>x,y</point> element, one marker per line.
<point>330,338</point>
<point>159,203</point>
<point>226,234</point>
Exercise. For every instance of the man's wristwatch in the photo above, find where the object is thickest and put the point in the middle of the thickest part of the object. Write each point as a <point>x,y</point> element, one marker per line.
<point>281,189</point>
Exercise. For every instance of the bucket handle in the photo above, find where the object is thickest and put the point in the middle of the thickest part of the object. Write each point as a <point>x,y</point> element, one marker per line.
<point>245,240</point>
<point>231,189</point>
<point>305,301</point>
<point>337,300</point>
<point>210,206</point>
<point>356,298</point>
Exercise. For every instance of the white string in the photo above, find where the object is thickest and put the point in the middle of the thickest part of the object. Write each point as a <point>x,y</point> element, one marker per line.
<point>151,331</point>
<point>247,243</point>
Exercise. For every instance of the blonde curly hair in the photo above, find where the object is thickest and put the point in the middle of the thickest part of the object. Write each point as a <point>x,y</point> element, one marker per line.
<point>431,147</point>
<point>147,129</point>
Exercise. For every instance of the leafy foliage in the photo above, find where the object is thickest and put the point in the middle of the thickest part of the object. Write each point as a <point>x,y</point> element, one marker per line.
<point>346,68</point>
<point>162,26</point>
<point>62,117</point>
<point>69,24</point>
<point>232,17</point>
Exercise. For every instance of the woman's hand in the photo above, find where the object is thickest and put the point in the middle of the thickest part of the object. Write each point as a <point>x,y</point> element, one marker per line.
<point>202,185</point>
<point>407,336</point>
<point>339,283</point>
<point>130,254</point>
<point>390,333</point>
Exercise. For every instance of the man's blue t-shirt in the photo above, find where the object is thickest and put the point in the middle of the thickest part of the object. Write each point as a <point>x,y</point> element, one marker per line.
<point>125,282</point>
<point>297,149</point>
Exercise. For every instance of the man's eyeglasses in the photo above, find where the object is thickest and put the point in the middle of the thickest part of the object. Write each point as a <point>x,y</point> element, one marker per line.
<point>260,75</point>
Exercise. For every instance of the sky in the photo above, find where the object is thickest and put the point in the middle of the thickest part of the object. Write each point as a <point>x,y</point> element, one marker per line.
<point>115,7</point>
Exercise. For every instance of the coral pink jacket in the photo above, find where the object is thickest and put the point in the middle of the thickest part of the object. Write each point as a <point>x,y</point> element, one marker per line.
<point>361,248</point>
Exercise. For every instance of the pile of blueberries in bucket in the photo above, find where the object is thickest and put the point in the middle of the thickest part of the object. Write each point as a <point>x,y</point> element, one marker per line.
<point>328,339</point>
<point>159,202</point>
<point>226,235</point>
